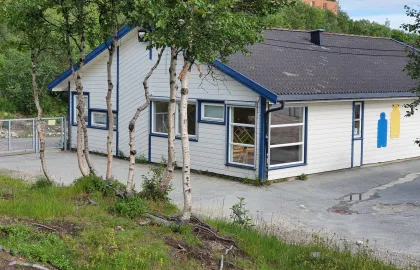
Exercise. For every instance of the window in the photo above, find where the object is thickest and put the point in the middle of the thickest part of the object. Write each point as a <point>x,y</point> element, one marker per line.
<point>99,119</point>
<point>213,112</point>
<point>312,3</point>
<point>324,6</point>
<point>191,116</point>
<point>357,116</point>
<point>86,112</point>
<point>242,136</point>
<point>286,137</point>
<point>160,117</point>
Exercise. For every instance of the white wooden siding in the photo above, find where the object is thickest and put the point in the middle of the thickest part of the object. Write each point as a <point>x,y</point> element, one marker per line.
<point>399,148</point>
<point>97,139</point>
<point>329,140</point>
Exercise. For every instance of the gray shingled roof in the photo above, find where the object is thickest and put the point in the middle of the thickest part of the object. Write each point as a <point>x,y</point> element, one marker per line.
<point>289,64</point>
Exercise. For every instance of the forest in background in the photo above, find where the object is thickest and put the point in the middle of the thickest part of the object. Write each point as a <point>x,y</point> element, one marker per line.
<point>15,72</point>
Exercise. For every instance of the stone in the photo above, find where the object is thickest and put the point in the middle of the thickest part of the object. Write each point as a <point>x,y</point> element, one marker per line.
<point>359,243</point>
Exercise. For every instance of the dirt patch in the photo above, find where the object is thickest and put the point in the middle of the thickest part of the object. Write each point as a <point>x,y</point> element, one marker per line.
<point>7,196</point>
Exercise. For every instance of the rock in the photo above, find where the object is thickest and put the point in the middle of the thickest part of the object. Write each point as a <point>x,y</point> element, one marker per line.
<point>119,229</point>
<point>315,254</point>
<point>24,264</point>
<point>359,243</point>
<point>302,207</point>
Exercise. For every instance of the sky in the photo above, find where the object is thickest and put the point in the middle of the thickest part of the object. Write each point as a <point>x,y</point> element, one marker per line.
<point>379,10</point>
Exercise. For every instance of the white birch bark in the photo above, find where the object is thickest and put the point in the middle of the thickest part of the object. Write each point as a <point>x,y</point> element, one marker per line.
<point>41,135</point>
<point>173,87</point>
<point>132,126</point>
<point>108,97</point>
<point>186,175</point>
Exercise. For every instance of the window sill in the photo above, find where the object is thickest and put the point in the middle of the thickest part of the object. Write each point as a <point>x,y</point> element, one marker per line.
<point>241,166</point>
<point>191,139</point>
<point>286,166</point>
<point>358,139</point>
<point>222,123</point>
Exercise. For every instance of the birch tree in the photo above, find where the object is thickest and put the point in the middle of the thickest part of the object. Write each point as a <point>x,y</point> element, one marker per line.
<point>76,15</point>
<point>108,21</point>
<point>26,18</point>
<point>203,30</point>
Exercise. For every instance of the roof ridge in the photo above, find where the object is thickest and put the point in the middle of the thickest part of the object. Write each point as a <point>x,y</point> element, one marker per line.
<point>326,32</point>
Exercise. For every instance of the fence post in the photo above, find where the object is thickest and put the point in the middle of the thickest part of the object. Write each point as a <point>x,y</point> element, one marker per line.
<point>64,129</point>
<point>9,135</point>
<point>33,135</point>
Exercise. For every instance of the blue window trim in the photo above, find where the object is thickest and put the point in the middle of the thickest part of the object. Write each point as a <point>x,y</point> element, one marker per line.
<point>91,125</point>
<point>73,94</point>
<point>228,163</point>
<point>92,55</point>
<point>200,120</point>
<point>69,111</point>
<point>254,86</point>
<point>305,148</point>
<point>162,135</point>
<point>362,127</point>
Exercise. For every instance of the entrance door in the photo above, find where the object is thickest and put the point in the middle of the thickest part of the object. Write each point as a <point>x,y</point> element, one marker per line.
<point>357,136</point>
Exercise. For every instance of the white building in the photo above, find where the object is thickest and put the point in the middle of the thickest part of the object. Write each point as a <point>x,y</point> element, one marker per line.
<point>334,89</point>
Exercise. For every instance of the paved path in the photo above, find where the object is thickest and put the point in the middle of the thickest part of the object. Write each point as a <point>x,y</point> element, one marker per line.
<point>388,214</point>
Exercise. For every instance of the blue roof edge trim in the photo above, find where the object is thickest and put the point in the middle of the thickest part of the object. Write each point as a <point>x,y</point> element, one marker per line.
<point>257,88</point>
<point>405,44</point>
<point>92,55</point>
<point>315,97</point>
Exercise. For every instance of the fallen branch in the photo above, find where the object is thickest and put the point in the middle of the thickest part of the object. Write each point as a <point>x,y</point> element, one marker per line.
<point>181,248</point>
<point>199,227</point>
<point>44,227</point>
<point>160,220</point>
<point>202,223</point>
<point>24,264</point>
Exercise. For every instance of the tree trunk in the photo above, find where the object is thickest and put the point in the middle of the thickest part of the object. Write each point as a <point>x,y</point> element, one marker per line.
<point>171,121</point>
<point>110,137</point>
<point>38,119</point>
<point>132,126</point>
<point>186,214</point>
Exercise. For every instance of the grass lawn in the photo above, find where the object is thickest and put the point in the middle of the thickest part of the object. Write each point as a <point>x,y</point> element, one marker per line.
<point>61,228</point>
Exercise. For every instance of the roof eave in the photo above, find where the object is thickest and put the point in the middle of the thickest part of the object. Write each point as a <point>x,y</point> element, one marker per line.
<point>92,55</point>
<point>320,97</point>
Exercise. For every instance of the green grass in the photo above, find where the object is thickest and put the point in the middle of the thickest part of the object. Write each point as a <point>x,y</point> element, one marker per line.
<point>100,243</point>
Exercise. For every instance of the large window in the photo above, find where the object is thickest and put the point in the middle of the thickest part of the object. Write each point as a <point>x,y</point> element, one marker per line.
<point>286,137</point>
<point>160,118</point>
<point>99,118</point>
<point>242,136</point>
<point>357,116</point>
<point>86,112</point>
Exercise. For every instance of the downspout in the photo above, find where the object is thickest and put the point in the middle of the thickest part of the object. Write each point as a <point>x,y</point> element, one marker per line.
<point>266,127</point>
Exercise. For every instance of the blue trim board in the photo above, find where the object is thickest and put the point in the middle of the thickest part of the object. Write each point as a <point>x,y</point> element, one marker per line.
<point>404,44</point>
<point>149,154</point>
<point>118,103</point>
<point>227,115</point>
<point>176,137</point>
<point>305,149</point>
<point>262,154</point>
<point>150,54</point>
<point>199,120</point>
<point>92,55</point>
<point>262,91</point>
<point>352,135</point>
<point>69,117</point>
<point>286,166</point>
<point>352,96</point>
<point>362,132</point>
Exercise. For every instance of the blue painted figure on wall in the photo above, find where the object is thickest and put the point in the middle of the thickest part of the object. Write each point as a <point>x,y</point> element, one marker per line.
<point>382,131</point>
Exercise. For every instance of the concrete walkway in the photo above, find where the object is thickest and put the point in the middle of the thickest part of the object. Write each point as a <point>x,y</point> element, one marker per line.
<point>383,209</point>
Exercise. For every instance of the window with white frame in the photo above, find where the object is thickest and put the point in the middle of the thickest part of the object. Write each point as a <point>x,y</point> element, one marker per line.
<point>99,118</point>
<point>214,112</point>
<point>286,136</point>
<point>242,136</point>
<point>86,112</point>
<point>357,120</point>
<point>160,118</point>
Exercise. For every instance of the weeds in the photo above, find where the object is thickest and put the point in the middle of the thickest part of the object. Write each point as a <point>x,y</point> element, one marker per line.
<point>302,177</point>
<point>141,159</point>
<point>92,183</point>
<point>240,215</point>
<point>131,207</point>
<point>152,181</point>
<point>42,183</point>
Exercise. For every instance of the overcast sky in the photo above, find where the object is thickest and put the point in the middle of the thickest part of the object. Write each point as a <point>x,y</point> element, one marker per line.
<point>379,10</point>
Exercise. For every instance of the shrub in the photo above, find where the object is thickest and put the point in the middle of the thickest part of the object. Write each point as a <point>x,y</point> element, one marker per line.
<point>92,183</point>
<point>152,181</point>
<point>42,183</point>
<point>130,207</point>
<point>240,215</point>
<point>141,159</point>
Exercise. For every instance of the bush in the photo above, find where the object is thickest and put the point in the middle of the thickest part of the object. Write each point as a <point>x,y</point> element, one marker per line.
<point>302,177</point>
<point>240,215</point>
<point>131,207</point>
<point>42,183</point>
<point>152,181</point>
<point>92,183</point>
<point>141,159</point>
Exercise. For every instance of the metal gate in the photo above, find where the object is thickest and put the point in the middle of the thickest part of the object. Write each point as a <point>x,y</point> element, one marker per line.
<point>20,136</point>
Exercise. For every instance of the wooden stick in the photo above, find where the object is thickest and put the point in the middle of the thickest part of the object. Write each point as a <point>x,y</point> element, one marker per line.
<point>44,226</point>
